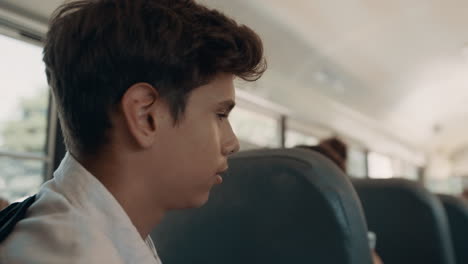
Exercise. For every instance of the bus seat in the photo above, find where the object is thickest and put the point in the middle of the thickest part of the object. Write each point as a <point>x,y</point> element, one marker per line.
<point>410,223</point>
<point>274,206</point>
<point>457,213</point>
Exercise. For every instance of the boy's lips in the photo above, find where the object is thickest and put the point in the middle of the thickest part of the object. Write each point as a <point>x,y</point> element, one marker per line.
<point>219,178</point>
<point>223,170</point>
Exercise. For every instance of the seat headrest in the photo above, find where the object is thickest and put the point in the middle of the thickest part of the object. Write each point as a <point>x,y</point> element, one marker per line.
<point>457,213</point>
<point>410,222</point>
<point>274,206</point>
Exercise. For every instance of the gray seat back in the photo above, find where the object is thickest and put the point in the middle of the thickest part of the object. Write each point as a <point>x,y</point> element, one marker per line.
<point>410,223</point>
<point>274,206</point>
<point>457,213</point>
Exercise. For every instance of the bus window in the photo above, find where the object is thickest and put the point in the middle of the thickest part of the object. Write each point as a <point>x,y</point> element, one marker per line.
<point>299,132</point>
<point>411,171</point>
<point>405,170</point>
<point>356,162</point>
<point>380,166</point>
<point>255,129</point>
<point>450,185</point>
<point>294,138</point>
<point>23,118</point>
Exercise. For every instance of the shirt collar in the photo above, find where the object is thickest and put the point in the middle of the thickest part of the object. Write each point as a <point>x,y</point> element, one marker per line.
<point>87,193</point>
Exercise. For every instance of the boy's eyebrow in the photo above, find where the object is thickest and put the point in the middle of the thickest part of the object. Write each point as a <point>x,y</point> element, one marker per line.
<point>228,104</point>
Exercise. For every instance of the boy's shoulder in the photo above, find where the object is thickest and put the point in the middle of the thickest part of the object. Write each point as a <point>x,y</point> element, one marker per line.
<point>55,232</point>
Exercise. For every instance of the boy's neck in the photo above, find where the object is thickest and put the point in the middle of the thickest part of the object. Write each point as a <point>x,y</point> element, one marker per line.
<point>118,176</point>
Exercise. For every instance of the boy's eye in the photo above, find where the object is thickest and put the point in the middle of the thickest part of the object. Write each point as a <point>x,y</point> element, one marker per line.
<point>222,116</point>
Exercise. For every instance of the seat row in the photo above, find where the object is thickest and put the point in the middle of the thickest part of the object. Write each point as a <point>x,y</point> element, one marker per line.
<point>296,206</point>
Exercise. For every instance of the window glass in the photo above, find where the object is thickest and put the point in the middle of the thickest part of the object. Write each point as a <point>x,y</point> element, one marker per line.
<point>450,185</point>
<point>23,118</point>
<point>380,166</point>
<point>20,178</point>
<point>411,171</point>
<point>294,138</point>
<point>255,129</point>
<point>405,170</point>
<point>247,145</point>
<point>356,162</point>
<point>24,101</point>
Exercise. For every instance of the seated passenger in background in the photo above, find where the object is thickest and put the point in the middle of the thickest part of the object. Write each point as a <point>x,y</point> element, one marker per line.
<point>3,203</point>
<point>332,148</point>
<point>143,90</point>
<point>336,150</point>
<point>464,194</point>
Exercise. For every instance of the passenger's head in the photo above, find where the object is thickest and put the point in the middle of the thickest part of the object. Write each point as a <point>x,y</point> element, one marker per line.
<point>153,79</point>
<point>3,203</point>
<point>464,194</point>
<point>337,145</point>
<point>332,148</point>
<point>327,152</point>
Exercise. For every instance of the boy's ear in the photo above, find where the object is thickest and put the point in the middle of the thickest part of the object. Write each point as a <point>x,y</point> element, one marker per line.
<point>139,110</point>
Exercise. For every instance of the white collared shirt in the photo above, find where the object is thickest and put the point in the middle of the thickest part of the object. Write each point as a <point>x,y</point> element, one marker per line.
<point>75,219</point>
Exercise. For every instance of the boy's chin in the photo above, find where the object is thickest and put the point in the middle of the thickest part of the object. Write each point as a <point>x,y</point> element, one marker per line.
<point>202,200</point>
<point>194,202</point>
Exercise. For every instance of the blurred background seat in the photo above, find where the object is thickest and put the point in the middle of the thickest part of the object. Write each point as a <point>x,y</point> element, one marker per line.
<point>410,223</point>
<point>457,213</point>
